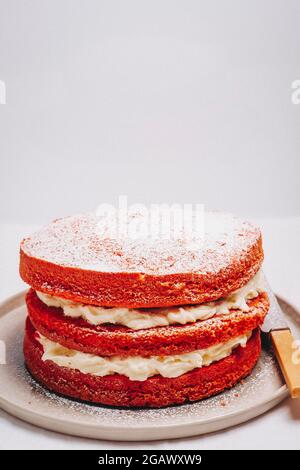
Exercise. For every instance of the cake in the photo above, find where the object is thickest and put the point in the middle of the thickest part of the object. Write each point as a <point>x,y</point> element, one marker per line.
<point>142,322</point>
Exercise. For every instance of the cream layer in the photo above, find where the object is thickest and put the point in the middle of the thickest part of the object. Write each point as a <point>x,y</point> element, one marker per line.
<point>138,367</point>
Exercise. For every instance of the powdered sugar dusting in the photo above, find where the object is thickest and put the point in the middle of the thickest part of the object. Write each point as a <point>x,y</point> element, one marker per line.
<point>75,242</point>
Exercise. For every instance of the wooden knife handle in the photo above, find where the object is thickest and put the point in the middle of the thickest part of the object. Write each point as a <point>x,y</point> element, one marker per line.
<point>288,357</point>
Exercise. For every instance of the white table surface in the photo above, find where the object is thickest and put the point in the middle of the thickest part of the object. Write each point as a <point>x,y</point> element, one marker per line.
<point>278,428</point>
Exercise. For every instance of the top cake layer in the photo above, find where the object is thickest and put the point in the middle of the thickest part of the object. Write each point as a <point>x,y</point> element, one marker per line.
<point>72,258</point>
<point>77,242</point>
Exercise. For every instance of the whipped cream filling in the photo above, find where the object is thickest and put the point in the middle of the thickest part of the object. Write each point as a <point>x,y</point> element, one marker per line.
<point>139,319</point>
<point>138,367</point>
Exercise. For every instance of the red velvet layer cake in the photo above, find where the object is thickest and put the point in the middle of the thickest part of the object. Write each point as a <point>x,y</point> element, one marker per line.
<point>143,322</point>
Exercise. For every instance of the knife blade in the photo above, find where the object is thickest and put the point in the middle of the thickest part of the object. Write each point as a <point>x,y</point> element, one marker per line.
<point>275,320</point>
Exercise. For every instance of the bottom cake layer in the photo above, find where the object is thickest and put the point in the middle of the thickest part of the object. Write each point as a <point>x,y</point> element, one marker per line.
<point>157,391</point>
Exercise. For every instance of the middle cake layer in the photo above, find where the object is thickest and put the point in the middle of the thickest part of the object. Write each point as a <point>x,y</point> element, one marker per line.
<point>112,340</point>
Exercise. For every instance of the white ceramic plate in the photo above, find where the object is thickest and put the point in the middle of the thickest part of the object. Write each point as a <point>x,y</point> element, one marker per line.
<point>23,397</point>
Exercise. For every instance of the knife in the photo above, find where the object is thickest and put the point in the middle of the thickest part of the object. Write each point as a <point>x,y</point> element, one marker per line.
<point>275,327</point>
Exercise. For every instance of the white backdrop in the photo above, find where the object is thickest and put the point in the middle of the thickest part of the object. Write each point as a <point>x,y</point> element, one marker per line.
<point>162,100</point>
